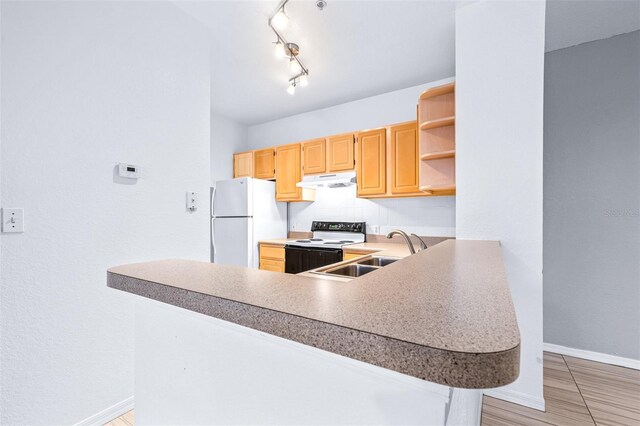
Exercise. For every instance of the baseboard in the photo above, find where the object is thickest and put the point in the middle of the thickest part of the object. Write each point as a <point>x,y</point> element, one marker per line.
<point>517,398</point>
<point>593,356</point>
<point>108,414</point>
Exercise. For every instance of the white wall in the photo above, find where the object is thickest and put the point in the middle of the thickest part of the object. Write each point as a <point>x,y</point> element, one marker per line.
<point>85,85</point>
<point>227,137</point>
<point>433,216</point>
<point>499,111</point>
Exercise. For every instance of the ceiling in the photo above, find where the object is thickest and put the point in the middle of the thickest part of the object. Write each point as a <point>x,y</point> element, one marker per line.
<point>356,49</point>
<point>353,49</point>
<point>571,22</point>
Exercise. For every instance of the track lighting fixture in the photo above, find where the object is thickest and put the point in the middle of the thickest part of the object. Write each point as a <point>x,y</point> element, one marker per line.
<point>280,52</point>
<point>292,88</point>
<point>293,65</point>
<point>278,21</point>
<point>303,80</point>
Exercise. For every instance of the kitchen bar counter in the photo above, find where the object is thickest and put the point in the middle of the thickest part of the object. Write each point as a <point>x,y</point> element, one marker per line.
<point>444,315</point>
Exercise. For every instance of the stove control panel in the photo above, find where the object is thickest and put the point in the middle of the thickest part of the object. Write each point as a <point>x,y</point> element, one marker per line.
<point>358,227</point>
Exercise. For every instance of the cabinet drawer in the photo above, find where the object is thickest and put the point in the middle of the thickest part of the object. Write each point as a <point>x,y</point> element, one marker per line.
<point>271,252</point>
<point>272,265</point>
<point>351,255</point>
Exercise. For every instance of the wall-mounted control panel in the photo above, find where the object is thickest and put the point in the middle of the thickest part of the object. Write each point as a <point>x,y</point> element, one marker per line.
<point>12,220</point>
<point>128,171</point>
<point>192,201</point>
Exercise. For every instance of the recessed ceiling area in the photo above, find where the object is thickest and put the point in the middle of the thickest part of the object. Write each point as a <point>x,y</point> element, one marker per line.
<point>357,49</point>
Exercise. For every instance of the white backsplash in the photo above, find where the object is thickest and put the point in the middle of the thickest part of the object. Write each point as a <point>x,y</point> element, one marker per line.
<point>427,216</point>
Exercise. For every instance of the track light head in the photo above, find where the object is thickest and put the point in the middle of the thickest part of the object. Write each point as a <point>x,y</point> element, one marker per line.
<point>292,88</point>
<point>280,20</point>
<point>280,50</point>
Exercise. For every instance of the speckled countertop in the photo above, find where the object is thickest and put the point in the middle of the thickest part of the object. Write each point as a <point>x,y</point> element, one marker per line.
<point>443,315</point>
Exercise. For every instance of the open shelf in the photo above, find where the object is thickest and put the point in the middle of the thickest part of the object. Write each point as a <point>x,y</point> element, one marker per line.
<point>440,122</point>
<point>437,140</point>
<point>437,91</point>
<point>438,155</point>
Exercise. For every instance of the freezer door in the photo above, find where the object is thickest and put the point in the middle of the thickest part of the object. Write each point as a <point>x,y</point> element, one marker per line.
<point>231,241</point>
<point>231,198</point>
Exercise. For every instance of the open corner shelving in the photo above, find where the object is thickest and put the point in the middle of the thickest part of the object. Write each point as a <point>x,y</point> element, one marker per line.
<point>433,92</point>
<point>437,155</point>
<point>436,118</point>
<point>440,122</point>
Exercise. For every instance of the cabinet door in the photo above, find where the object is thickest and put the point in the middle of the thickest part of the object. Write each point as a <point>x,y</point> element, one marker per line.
<point>243,164</point>
<point>272,265</point>
<point>314,156</point>
<point>371,162</point>
<point>288,172</point>
<point>264,163</point>
<point>341,152</point>
<point>404,158</point>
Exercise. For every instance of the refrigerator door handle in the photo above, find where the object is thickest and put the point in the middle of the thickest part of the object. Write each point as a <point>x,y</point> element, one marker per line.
<point>213,197</point>
<point>213,237</point>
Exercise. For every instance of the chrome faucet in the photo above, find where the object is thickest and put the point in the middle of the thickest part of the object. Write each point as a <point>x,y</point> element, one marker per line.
<point>423,245</point>
<point>406,238</point>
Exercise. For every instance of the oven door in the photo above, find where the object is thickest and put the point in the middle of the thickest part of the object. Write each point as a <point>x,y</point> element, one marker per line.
<point>299,259</point>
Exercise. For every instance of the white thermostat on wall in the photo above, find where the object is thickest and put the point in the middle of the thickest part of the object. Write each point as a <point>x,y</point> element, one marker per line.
<point>128,171</point>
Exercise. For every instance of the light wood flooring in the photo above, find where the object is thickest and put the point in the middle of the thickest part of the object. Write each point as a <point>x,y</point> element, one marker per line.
<point>576,392</point>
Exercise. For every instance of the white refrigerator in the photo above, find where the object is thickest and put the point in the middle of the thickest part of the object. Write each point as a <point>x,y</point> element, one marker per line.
<point>243,212</point>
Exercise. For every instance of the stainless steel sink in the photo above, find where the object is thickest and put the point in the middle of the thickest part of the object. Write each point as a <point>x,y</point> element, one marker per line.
<point>378,261</point>
<point>352,270</point>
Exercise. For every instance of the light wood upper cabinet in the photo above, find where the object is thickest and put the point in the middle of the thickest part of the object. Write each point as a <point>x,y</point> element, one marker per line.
<point>243,164</point>
<point>314,154</point>
<point>371,162</point>
<point>404,158</point>
<point>264,163</point>
<point>289,173</point>
<point>341,152</point>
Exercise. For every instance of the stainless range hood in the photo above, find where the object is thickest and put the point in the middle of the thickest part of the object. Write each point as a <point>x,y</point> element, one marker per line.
<point>330,180</point>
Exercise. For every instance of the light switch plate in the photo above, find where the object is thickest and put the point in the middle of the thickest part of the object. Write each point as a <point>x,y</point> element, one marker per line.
<point>12,220</point>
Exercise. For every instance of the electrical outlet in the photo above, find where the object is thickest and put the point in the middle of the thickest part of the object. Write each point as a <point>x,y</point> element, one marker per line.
<point>12,220</point>
<point>375,229</point>
<point>293,226</point>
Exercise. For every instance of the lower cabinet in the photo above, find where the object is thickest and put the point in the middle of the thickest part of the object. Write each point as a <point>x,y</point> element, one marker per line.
<point>271,257</point>
<point>272,265</point>
<point>348,254</point>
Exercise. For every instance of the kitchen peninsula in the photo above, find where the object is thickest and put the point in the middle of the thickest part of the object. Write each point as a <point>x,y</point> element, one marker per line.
<point>434,322</point>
